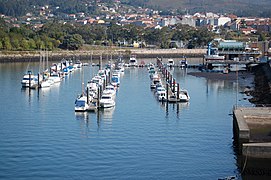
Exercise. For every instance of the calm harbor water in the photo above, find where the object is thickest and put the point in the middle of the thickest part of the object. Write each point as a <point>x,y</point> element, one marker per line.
<point>41,136</point>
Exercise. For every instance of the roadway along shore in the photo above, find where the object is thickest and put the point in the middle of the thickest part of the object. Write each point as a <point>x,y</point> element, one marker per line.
<point>19,56</point>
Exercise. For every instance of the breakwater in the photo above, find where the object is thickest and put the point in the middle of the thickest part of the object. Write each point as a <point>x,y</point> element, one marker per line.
<point>25,56</point>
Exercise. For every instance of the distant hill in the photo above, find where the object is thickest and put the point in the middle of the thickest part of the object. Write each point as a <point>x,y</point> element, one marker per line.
<point>239,7</point>
<point>259,8</point>
<point>18,8</point>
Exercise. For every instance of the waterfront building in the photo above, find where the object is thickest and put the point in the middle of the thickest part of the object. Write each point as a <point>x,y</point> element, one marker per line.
<point>235,50</point>
<point>224,55</point>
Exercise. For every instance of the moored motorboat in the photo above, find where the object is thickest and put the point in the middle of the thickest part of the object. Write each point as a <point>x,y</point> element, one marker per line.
<point>46,83</point>
<point>92,89</point>
<point>82,103</point>
<point>55,78</point>
<point>184,96</point>
<point>161,93</point>
<point>133,61</point>
<point>154,82</point>
<point>78,64</point>
<point>173,98</point>
<point>107,101</point>
<point>183,63</point>
<point>30,79</point>
<point>170,62</point>
<point>110,89</point>
<point>115,81</point>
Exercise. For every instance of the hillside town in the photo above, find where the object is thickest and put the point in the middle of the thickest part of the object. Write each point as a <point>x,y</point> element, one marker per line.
<point>145,17</point>
<point>135,89</point>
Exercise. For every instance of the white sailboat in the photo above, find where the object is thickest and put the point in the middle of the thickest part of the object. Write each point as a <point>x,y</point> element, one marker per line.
<point>82,103</point>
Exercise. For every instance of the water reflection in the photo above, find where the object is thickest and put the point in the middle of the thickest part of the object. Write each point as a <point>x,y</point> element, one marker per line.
<point>105,116</point>
<point>189,149</point>
<point>174,107</point>
<point>107,113</point>
<point>39,93</point>
<point>28,94</point>
<point>180,73</point>
<point>83,117</point>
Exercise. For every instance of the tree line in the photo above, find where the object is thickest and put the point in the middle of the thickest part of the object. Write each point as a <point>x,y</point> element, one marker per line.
<point>73,36</point>
<point>17,8</point>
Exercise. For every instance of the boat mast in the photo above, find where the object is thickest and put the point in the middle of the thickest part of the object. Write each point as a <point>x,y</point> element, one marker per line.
<point>91,64</point>
<point>47,59</point>
<point>237,86</point>
<point>82,80</point>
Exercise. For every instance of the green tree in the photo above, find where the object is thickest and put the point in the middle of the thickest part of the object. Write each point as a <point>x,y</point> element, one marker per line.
<point>15,43</point>
<point>150,36</point>
<point>50,45</point>
<point>56,43</point>
<point>72,42</point>
<point>32,44</point>
<point>6,43</point>
<point>39,43</point>
<point>25,44</point>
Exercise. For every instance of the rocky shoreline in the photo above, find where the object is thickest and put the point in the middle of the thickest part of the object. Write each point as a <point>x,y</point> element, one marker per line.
<point>262,90</point>
<point>26,56</point>
<point>257,83</point>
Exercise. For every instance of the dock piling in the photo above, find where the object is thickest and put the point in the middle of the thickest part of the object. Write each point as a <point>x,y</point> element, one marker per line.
<point>178,91</point>
<point>29,82</point>
<point>167,91</point>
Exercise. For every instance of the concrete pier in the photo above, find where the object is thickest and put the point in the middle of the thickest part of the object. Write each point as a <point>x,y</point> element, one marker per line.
<point>257,150</point>
<point>252,131</point>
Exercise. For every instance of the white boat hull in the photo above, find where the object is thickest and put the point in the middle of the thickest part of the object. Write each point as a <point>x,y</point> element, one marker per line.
<point>107,104</point>
<point>184,96</point>
<point>45,84</point>
<point>25,84</point>
<point>81,104</point>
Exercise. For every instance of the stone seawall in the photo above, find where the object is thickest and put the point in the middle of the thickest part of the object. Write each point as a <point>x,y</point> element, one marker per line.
<point>21,56</point>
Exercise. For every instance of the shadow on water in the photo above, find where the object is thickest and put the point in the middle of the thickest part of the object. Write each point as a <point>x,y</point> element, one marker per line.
<point>250,168</point>
<point>254,168</point>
